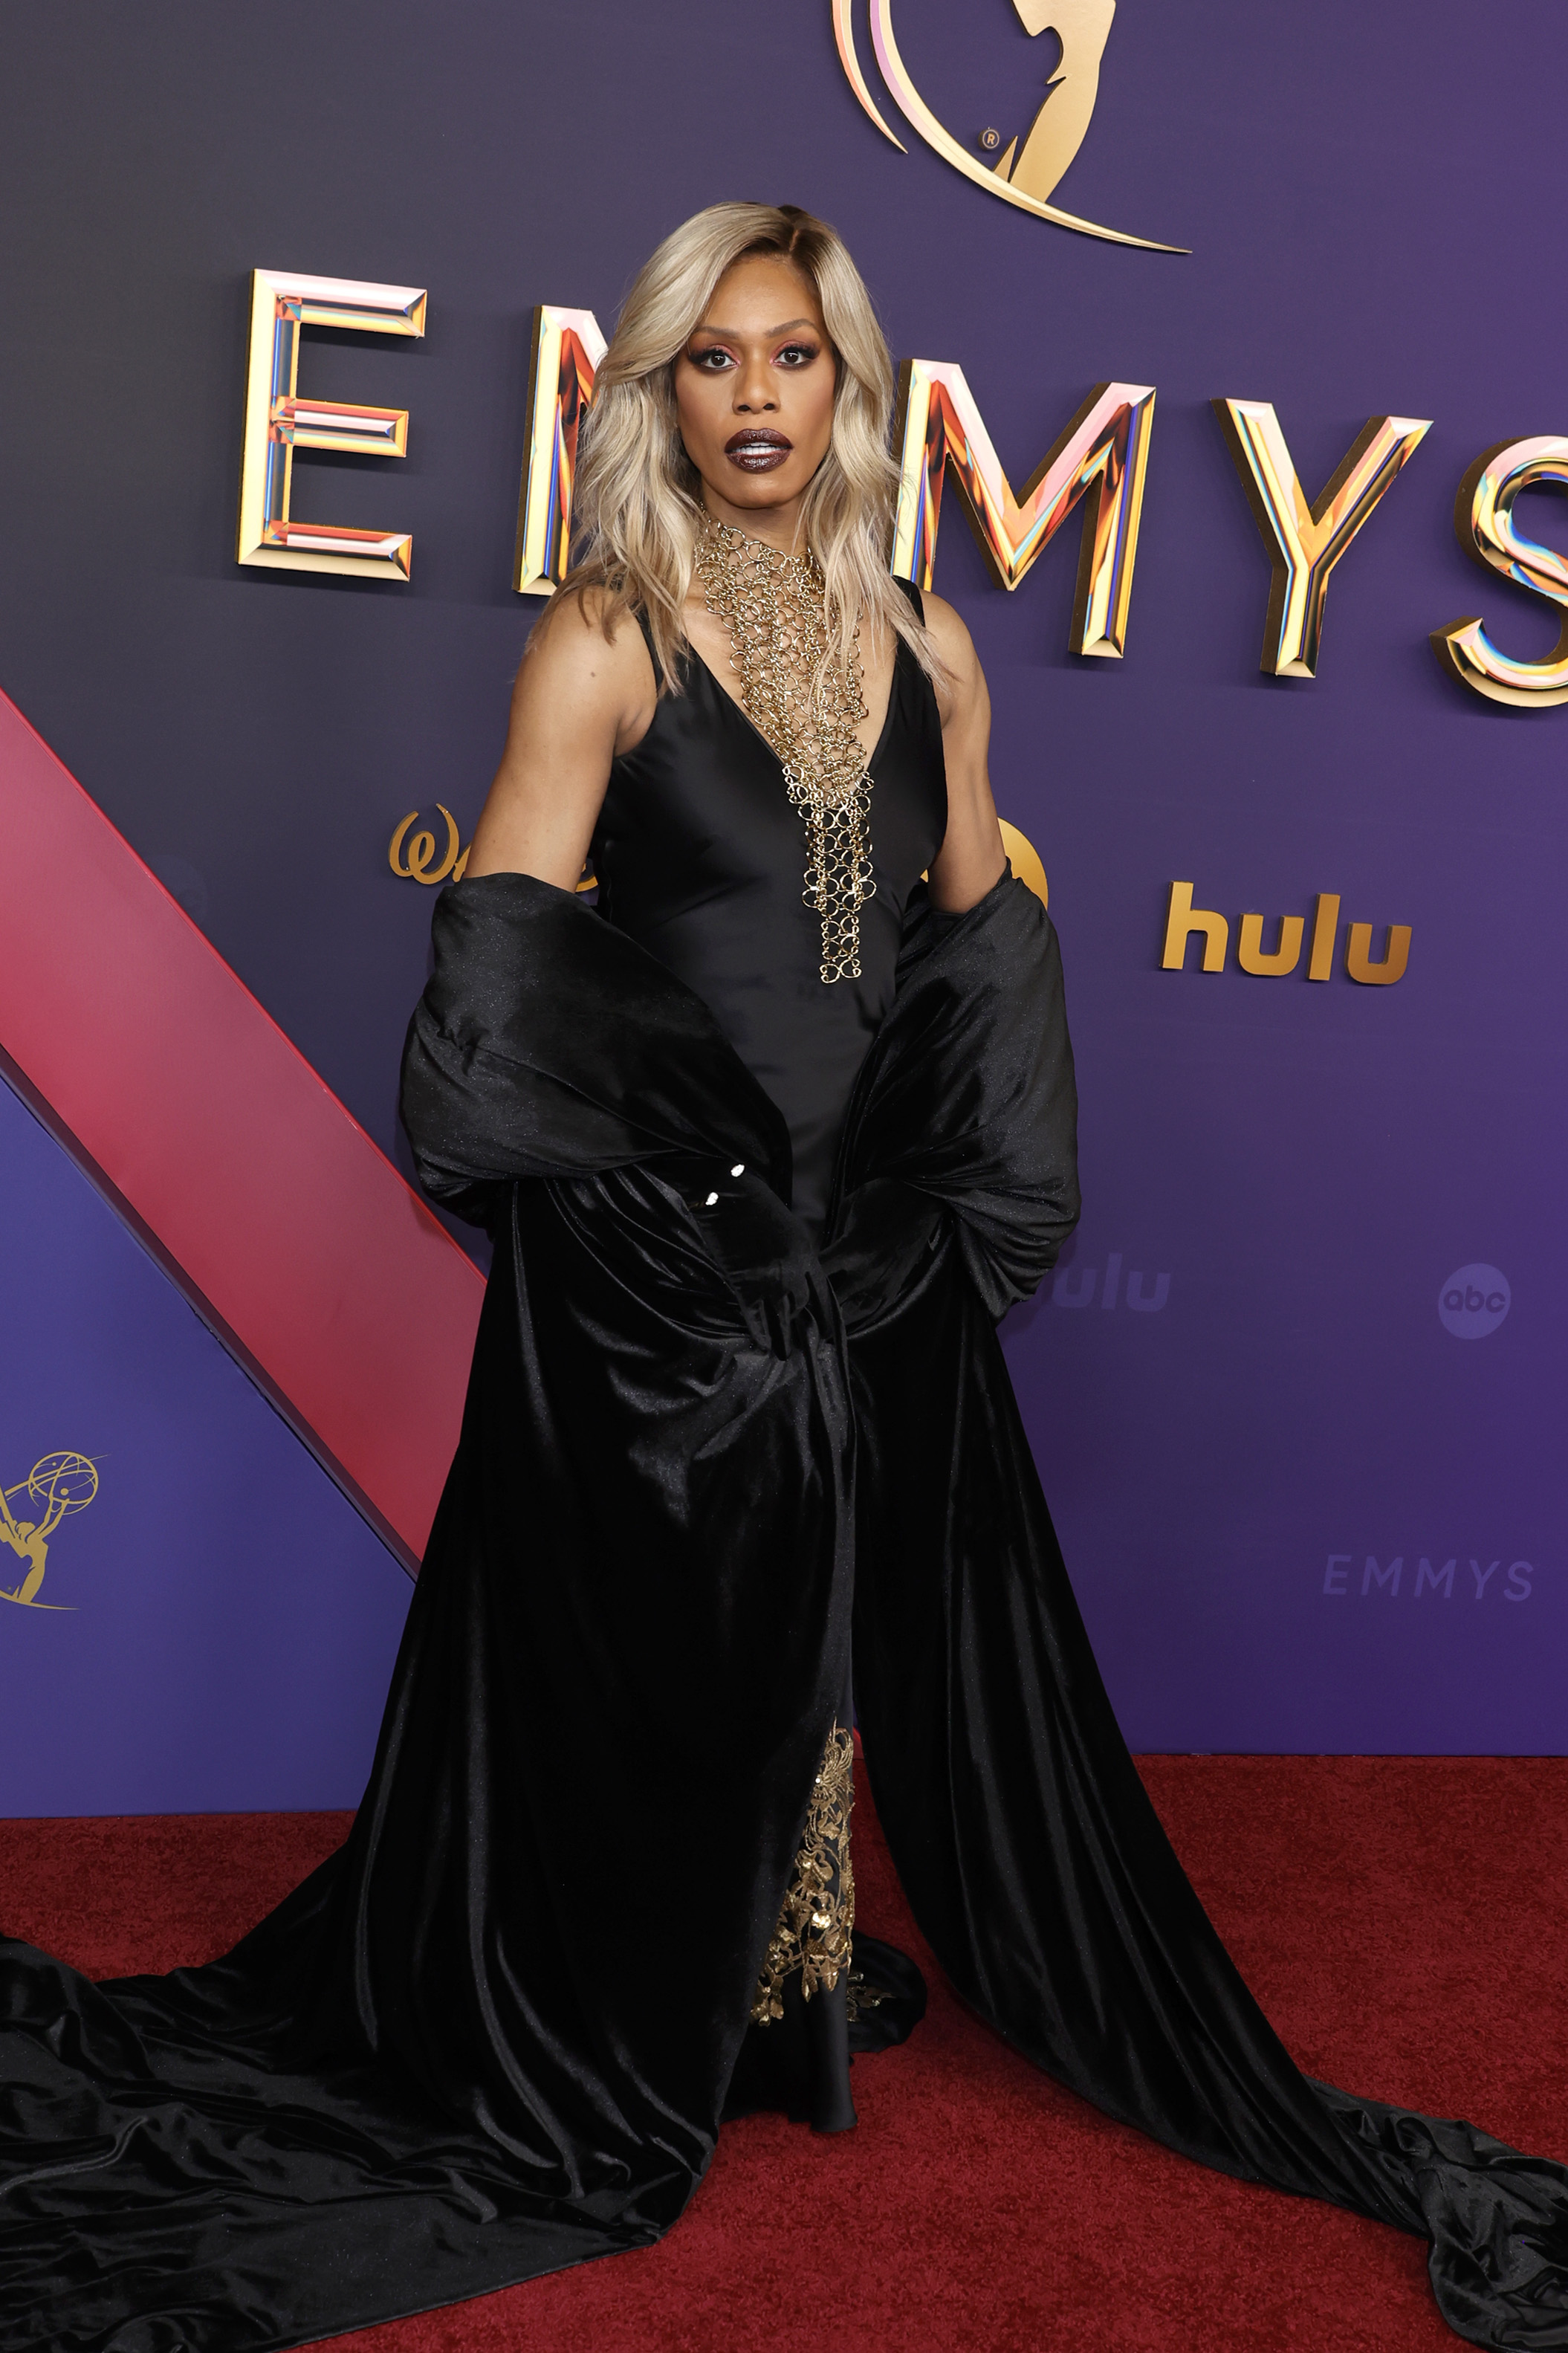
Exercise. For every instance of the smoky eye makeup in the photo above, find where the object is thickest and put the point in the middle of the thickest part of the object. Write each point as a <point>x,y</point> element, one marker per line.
<point>713,359</point>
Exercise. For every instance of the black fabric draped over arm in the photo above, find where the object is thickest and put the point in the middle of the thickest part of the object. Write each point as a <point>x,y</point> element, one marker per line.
<point>528,1054</point>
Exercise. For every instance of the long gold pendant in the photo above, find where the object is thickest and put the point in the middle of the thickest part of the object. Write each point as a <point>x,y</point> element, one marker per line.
<point>772,607</point>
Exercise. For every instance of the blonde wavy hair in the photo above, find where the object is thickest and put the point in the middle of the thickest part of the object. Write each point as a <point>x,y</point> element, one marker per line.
<point>637,502</point>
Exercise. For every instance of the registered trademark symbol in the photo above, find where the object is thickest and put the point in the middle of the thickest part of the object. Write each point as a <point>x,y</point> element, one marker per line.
<point>991,141</point>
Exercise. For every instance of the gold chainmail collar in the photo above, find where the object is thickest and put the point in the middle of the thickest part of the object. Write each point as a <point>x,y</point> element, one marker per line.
<point>772,607</point>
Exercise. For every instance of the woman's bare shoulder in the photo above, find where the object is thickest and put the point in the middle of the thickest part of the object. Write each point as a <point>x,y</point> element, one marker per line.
<point>950,633</point>
<point>581,699</point>
<point>571,647</point>
<point>961,692</point>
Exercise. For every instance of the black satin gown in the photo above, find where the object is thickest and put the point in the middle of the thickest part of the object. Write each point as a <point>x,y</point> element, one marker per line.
<point>701,860</point>
<point>731,1421</point>
<point>699,857</point>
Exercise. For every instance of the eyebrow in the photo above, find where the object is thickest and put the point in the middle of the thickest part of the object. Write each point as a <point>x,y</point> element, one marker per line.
<point>734,334</point>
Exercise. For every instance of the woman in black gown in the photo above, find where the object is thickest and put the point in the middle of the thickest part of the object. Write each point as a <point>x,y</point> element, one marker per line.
<point>761,1170</point>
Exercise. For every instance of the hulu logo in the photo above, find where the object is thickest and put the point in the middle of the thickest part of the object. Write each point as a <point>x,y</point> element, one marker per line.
<point>1183,921</point>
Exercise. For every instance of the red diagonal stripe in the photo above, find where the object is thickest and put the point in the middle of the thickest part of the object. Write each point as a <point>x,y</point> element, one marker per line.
<point>354,1304</point>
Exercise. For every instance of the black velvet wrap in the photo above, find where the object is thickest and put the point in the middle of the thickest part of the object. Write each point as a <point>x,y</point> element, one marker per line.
<point>494,2034</point>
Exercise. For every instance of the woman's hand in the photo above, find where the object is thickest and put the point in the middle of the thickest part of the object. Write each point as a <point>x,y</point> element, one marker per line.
<point>971,859</point>
<point>580,701</point>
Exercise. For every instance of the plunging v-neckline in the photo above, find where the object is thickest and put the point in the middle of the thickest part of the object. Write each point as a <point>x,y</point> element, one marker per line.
<point>739,708</point>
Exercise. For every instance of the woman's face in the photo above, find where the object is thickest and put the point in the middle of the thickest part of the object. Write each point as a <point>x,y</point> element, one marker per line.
<point>753,389</point>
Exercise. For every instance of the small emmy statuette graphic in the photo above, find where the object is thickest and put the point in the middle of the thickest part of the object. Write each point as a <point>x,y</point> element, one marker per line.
<point>58,1485</point>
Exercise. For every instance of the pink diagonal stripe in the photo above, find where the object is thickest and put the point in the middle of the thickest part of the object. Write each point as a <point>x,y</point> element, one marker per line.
<point>354,1302</point>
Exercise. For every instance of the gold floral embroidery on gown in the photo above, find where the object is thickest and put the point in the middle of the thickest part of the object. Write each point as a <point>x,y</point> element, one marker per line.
<point>815,1927</point>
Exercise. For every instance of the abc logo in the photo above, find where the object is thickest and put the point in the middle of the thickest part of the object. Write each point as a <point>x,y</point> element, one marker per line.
<point>1474,1302</point>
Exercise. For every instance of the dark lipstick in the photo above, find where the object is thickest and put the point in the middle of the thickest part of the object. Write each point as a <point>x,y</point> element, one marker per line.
<point>758,449</point>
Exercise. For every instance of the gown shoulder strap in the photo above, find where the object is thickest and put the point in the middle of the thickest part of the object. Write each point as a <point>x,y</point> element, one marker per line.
<point>644,624</point>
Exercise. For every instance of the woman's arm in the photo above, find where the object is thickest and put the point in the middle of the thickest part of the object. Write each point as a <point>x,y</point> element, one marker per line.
<point>970,858</point>
<point>579,700</point>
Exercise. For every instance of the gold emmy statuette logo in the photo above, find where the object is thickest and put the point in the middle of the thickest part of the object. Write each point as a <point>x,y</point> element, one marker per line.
<point>1024,172</point>
<point>58,1485</point>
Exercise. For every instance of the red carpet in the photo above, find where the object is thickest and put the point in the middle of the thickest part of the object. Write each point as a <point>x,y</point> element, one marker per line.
<point>1400,1918</point>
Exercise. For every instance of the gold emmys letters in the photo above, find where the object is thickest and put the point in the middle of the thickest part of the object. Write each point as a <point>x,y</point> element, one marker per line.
<point>1101,457</point>
<point>1304,542</point>
<point>1483,517</point>
<point>567,347</point>
<point>277,422</point>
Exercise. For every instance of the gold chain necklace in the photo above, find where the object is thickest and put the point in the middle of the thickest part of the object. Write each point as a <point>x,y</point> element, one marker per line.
<point>773,609</point>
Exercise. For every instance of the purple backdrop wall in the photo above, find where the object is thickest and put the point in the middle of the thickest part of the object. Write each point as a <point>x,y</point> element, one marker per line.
<point>215,1631</point>
<point>1307,1166</point>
